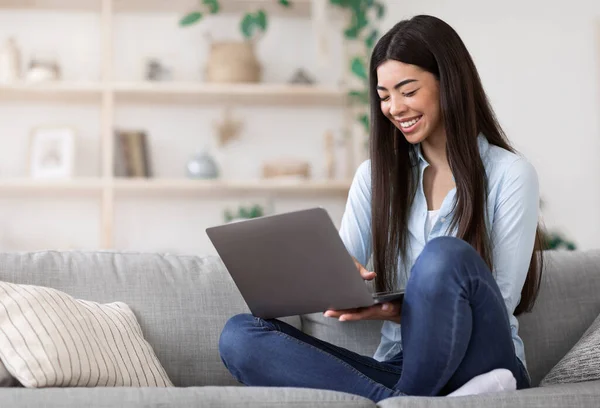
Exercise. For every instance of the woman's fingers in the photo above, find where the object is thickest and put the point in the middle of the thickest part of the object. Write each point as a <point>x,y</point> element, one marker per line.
<point>385,311</point>
<point>338,313</point>
<point>364,273</point>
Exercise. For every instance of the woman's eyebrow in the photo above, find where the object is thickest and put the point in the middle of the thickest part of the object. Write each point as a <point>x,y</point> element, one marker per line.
<point>398,85</point>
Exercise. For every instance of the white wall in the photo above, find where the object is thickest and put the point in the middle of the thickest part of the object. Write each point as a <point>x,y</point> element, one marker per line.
<point>152,223</point>
<point>539,63</point>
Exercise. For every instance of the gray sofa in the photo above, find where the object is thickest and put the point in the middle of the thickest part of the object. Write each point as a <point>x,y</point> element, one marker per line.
<point>182,303</point>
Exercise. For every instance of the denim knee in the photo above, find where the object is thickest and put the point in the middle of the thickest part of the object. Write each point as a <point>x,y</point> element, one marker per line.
<point>234,338</point>
<point>432,271</point>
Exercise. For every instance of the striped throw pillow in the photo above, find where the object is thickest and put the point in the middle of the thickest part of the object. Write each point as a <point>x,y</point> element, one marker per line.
<point>50,339</point>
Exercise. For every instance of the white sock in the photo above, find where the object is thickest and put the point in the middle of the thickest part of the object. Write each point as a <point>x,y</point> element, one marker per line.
<point>496,380</point>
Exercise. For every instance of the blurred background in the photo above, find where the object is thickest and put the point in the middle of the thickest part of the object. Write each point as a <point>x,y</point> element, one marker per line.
<point>137,124</point>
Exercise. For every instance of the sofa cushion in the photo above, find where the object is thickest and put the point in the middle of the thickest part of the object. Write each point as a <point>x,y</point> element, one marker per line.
<point>213,397</point>
<point>581,395</point>
<point>49,339</point>
<point>568,303</point>
<point>582,362</point>
<point>181,302</point>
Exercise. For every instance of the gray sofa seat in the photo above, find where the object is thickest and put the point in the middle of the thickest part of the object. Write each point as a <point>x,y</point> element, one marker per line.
<point>211,396</point>
<point>182,303</point>
<point>584,395</point>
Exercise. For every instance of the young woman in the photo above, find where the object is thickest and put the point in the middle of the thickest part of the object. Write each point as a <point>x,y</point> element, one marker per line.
<point>444,208</point>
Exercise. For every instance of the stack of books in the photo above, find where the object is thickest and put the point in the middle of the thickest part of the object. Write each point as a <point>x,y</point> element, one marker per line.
<point>132,154</point>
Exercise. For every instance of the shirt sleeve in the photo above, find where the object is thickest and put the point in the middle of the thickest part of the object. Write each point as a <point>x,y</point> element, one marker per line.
<point>355,228</point>
<point>513,230</point>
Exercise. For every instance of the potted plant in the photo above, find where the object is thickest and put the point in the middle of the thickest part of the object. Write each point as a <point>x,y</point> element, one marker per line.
<point>364,16</point>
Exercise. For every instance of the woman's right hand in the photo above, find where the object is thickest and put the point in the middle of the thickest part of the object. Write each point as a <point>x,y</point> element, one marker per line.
<point>386,311</point>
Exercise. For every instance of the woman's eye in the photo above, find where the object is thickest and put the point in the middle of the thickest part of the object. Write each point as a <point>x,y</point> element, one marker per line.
<point>409,94</point>
<point>384,98</point>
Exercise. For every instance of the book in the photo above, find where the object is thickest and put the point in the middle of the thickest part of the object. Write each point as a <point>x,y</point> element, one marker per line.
<point>132,154</point>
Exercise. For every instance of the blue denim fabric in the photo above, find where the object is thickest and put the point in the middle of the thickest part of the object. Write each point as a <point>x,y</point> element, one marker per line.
<point>454,327</point>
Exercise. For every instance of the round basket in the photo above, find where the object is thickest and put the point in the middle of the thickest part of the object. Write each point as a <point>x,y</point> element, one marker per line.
<point>232,61</point>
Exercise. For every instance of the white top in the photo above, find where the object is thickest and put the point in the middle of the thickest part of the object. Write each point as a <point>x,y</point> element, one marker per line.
<point>432,217</point>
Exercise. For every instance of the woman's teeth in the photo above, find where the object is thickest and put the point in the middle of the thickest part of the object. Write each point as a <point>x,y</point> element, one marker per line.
<point>410,122</point>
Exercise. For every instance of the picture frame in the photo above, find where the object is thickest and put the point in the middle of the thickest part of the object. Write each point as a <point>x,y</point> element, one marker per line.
<point>52,152</point>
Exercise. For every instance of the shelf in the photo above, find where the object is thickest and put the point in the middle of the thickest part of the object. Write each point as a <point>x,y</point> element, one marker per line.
<point>185,93</point>
<point>298,8</point>
<point>59,5</point>
<point>197,92</point>
<point>52,92</point>
<point>174,186</point>
<point>28,185</point>
<point>187,186</point>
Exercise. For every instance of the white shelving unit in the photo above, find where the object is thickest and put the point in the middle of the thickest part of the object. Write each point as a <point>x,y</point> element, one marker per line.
<point>273,94</point>
<point>300,7</point>
<point>108,94</point>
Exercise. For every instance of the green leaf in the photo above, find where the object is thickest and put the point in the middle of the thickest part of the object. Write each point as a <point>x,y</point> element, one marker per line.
<point>247,25</point>
<point>213,5</point>
<point>361,20</point>
<point>251,22</point>
<point>358,22</point>
<point>357,5</point>
<point>370,40</point>
<point>358,68</point>
<point>191,18</point>
<point>261,19</point>
<point>380,10</point>
<point>359,96</point>
<point>364,120</point>
<point>284,3</point>
<point>351,33</point>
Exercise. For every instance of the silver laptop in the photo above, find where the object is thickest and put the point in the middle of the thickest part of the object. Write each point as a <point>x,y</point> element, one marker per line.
<point>292,263</point>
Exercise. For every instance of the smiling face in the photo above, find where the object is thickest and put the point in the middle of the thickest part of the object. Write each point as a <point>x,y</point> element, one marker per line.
<point>410,99</point>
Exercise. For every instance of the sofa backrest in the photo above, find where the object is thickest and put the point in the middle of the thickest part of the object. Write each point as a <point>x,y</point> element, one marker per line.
<point>568,303</point>
<point>181,302</point>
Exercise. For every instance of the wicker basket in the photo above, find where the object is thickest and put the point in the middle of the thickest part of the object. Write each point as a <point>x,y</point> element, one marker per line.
<point>232,61</point>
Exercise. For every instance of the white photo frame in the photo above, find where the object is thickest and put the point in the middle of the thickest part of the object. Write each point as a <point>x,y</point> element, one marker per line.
<point>52,152</point>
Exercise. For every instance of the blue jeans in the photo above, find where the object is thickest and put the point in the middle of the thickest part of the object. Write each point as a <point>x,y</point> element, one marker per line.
<point>454,327</point>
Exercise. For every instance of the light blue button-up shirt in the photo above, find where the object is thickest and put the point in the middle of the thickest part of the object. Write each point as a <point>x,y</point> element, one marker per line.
<point>512,216</point>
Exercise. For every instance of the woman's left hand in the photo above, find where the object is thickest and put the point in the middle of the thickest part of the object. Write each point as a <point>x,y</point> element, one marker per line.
<point>385,311</point>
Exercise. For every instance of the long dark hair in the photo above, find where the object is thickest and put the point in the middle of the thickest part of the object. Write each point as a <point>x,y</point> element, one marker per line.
<point>433,45</point>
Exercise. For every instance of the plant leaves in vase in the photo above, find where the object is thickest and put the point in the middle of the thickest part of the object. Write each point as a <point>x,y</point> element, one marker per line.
<point>213,6</point>
<point>261,19</point>
<point>190,18</point>
<point>252,22</point>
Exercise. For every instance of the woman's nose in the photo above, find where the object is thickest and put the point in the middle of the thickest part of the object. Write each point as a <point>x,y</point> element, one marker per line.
<point>397,107</point>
